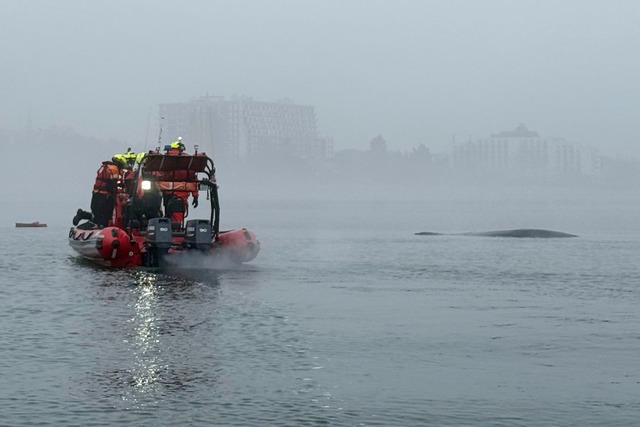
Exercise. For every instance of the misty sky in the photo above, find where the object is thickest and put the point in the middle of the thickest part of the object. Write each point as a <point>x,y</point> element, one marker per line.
<point>414,71</point>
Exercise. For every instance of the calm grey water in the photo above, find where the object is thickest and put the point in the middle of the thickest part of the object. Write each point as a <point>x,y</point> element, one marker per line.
<point>345,318</point>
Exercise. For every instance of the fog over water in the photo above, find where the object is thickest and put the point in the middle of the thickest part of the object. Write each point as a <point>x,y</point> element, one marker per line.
<point>346,317</point>
<point>414,71</point>
<point>83,80</point>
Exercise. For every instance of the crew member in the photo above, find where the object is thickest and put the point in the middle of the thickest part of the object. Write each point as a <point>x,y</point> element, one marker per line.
<point>147,203</point>
<point>104,192</point>
<point>176,200</point>
<point>130,158</point>
<point>176,147</point>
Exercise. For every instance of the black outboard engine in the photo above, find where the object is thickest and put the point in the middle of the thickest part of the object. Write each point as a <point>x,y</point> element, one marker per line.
<point>198,234</point>
<point>157,240</point>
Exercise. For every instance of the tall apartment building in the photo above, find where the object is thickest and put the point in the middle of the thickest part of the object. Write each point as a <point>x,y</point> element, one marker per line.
<point>241,127</point>
<point>526,154</point>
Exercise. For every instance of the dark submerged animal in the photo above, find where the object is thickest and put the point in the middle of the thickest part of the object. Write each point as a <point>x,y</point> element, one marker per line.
<point>520,232</point>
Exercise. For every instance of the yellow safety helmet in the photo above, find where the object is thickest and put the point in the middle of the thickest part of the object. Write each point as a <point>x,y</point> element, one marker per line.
<point>178,143</point>
<point>120,160</point>
<point>129,154</point>
<point>130,157</point>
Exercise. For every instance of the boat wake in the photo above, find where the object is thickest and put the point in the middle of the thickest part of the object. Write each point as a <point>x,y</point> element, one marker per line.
<point>197,260</point>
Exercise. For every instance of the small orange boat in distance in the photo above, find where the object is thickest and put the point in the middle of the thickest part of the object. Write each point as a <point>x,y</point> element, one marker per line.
<point>34,224</point>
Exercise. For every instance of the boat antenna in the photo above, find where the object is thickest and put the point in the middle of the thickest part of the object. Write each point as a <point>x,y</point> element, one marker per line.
<point>146,138</point>
<point>160,134</point>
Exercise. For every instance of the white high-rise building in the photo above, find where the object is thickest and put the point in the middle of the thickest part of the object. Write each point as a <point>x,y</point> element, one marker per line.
<point>525,154</point>
<point>242,127</point>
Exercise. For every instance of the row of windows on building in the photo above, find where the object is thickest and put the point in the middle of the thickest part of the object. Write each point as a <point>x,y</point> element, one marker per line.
<point>239,126</point>
<point>543,156</point>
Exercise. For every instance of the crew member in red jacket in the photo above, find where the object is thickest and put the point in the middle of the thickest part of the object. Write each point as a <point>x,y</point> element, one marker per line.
<point>103,195</point>
<point>104,192</point>
<point>176,200</point>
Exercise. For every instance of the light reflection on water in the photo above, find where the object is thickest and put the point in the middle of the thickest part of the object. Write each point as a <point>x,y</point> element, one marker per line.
<point>174,339</point>
<point>146,341</point>
<point>149,319</point>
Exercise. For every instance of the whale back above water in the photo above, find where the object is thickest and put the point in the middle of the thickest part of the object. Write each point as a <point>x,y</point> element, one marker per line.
<point>520,232</point>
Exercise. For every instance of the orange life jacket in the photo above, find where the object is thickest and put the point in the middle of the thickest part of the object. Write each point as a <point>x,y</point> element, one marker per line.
<point>106,178</point>
<point>180,189</point>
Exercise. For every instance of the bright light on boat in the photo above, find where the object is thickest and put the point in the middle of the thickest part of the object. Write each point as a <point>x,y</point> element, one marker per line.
<point>146,185</point>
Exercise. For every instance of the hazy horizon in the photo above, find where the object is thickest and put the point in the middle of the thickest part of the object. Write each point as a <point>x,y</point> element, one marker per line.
<point>416,72</point>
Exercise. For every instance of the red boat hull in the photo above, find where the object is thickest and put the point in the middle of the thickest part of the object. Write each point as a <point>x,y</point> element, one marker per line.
<point>112,246</point>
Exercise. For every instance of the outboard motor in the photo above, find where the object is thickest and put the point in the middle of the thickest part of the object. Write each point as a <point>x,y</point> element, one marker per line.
<point>157,240</point>
<point>198,234</point>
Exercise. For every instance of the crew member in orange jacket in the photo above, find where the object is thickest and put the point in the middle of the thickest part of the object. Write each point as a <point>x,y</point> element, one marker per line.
<point>104,192</point>
<point>175,201</point>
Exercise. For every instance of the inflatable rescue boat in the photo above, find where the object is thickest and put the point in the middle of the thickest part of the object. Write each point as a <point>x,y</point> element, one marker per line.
<point>134,237</point>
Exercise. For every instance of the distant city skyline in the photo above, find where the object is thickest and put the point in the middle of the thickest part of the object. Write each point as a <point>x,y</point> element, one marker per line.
<point>154,123</point>
<point>417,72</point>
<point>185,118</point>
<point>517,156</point>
